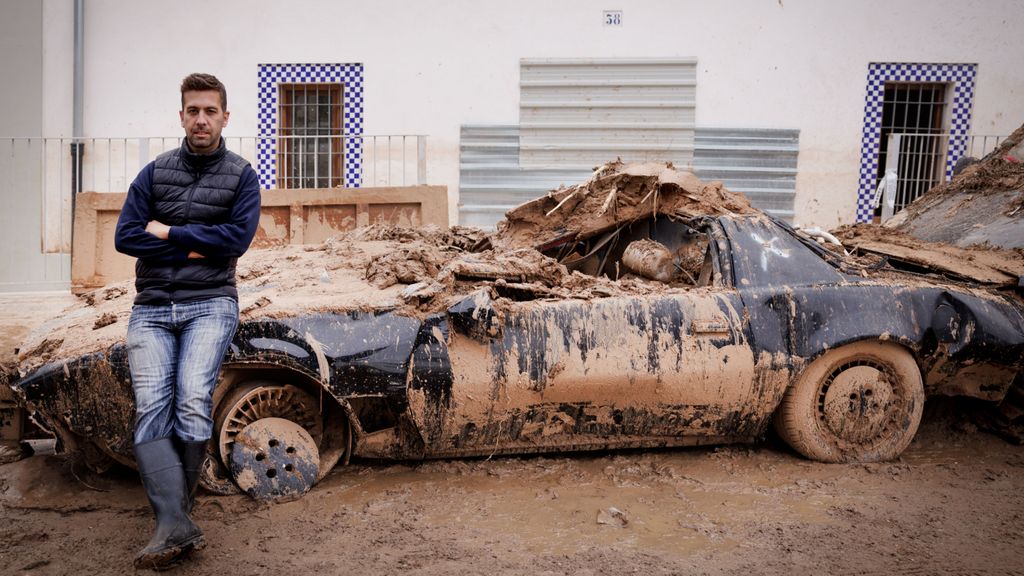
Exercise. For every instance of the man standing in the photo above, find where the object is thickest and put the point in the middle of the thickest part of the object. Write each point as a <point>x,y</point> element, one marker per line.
<point>188,216</point>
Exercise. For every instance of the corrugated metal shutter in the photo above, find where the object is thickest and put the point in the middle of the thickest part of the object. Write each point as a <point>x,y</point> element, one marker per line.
<point>580,113</point>
<point>758,162</point>
<point>490,179</point>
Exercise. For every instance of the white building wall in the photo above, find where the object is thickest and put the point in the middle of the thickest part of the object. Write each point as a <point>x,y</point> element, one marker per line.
<point>21,53</point>
<point>58,68</point>
<point>431,66</point>
<point>23,263</point>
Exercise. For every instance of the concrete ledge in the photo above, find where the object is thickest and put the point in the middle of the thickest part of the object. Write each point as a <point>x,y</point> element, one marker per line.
<point>300,216</point>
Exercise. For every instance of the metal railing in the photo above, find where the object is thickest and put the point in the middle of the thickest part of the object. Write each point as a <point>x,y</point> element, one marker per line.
<point>39,177</point>
<point>915,163</point>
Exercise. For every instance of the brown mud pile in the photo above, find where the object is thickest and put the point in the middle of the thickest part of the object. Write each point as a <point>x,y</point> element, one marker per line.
<point>424,271</point>
<point>274,282</point>
<point>975,264</point>
<point>984,204</point>
<point>615,195</point>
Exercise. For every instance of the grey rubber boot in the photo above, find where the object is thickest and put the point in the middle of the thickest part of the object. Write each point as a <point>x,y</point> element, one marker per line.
<point>193,456</point>
<point>176,536</point>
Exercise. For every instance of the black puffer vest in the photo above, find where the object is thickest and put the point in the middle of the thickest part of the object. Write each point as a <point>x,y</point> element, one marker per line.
<point>191,188</point>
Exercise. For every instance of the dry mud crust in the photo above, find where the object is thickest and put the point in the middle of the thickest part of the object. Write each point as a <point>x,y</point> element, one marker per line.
<point>983,204</point>
<point>273,282</point>
<point>952,505</point>
<point>978,264</point>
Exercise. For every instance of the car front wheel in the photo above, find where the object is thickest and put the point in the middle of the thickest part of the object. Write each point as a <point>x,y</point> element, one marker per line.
<point>859,403</point>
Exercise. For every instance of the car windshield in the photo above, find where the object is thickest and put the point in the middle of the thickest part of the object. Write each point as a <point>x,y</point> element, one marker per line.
<point>836,260</point>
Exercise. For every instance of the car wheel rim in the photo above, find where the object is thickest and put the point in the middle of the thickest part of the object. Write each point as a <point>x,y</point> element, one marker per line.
<point>860,401</point>
<point>287,402</point>
<point>275,460</point>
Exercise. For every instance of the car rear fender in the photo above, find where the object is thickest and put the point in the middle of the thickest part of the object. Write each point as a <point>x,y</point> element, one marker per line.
<point>965,342</point>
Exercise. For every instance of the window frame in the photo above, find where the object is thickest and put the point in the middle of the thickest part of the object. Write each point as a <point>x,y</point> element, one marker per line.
<point>289,149</point>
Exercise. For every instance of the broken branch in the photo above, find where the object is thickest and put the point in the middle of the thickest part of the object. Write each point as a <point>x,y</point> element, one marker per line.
<point>609,200</point>
<point>560,204</point>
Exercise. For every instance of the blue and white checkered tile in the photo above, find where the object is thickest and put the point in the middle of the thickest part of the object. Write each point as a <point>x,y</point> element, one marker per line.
<point>270,75</point>
<point>961,76</point>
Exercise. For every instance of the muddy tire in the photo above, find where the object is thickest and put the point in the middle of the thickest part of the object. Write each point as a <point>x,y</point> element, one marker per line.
<point>859,403</point>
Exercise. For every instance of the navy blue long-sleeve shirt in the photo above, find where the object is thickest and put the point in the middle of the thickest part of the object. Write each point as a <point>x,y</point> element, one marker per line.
<point>228,240</point>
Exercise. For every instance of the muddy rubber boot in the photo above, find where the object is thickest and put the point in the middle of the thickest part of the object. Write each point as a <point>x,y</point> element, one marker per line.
<point>176,536</point>
<point>193,455</point>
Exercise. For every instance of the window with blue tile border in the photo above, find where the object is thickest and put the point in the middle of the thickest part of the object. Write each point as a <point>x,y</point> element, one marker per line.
<point>350,76</point>
<point>961,76</point>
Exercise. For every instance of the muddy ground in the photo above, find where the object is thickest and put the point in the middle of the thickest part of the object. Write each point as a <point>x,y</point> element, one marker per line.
<point>954,504</point>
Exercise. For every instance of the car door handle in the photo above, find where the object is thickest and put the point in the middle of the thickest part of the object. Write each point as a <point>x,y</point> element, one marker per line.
<point>709,327</point>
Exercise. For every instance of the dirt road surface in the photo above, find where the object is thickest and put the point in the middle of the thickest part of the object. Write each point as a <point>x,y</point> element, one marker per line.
<point>954,504</point>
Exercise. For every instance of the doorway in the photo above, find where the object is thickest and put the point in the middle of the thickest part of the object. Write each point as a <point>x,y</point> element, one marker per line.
<point>926,98</point>
<point>917,109</point>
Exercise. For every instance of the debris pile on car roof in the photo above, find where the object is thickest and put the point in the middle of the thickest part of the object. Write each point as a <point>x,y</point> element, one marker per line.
<point>616,194</point>
<point>984,204</point>
<point>423,270</point>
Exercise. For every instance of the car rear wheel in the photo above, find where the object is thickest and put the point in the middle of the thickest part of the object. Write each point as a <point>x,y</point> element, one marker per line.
<point>859,403</point>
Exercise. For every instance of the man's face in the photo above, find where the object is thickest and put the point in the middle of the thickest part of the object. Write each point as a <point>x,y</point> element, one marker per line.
<point>203,119</point>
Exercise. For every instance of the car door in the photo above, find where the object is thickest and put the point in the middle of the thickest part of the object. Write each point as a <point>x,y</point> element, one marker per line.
<point>541,375</point>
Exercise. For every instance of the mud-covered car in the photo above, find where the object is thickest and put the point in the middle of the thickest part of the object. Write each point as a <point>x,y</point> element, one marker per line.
<point>560,332</point>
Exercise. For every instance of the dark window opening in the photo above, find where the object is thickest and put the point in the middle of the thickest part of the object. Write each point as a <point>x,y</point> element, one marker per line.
<point>918,109</point>
<point>662,249</point>
<point>310,126</point>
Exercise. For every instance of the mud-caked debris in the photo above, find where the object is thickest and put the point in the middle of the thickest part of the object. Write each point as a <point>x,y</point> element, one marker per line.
<point>460,237</point>
<point>615,195</point>
<point>523,265</point>
<point>260,302</point>
<point>43,351</point>
<point>427,270</point>
<point>405,266</point>
<point>612,517</point>
<point>983,204</point>
<point>114,292</point>
<point>649,259</point>
<point>984,264</point>
<point>253,271</point>
<point>105,319</point>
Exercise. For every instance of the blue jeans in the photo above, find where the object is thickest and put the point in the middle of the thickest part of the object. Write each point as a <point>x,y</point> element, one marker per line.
<point>175,352</point>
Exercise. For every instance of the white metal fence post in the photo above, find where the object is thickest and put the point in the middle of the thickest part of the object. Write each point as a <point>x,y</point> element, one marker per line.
<point>421,160</point>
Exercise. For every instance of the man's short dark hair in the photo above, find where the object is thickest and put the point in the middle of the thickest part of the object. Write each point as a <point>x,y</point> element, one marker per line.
<point>198,82</point>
